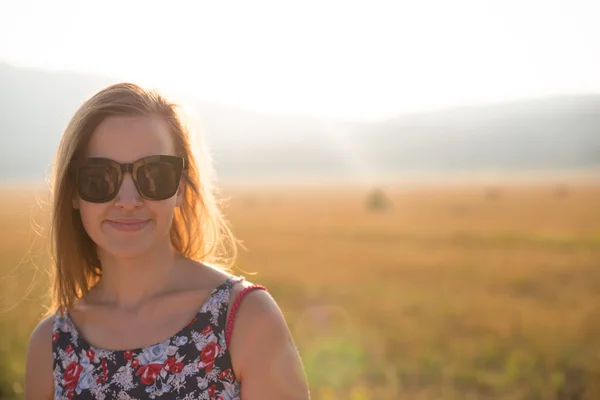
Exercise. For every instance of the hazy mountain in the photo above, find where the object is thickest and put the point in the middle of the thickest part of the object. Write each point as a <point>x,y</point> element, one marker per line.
<point>546,134</point>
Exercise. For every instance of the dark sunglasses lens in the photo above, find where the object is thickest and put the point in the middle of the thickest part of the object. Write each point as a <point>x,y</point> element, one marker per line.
<point>158,180</point>
<point>97,182</point>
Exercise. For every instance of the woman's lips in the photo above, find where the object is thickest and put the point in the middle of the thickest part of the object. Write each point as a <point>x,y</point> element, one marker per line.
<point>129,226</point>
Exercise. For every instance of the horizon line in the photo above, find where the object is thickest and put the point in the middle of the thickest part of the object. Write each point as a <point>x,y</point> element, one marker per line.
<point>188,96</point>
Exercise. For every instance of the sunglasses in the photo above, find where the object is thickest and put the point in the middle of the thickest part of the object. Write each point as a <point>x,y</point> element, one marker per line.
<point>98,180</point>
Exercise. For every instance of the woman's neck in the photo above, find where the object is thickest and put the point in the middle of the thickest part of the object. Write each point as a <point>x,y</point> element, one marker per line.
<point>128,283</point>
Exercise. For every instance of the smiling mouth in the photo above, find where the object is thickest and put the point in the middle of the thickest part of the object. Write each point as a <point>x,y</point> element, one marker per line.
<point>128,225</point>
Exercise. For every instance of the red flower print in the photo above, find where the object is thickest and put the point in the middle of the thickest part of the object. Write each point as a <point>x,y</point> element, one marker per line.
<point>71,394</point>
<point>135,364</point>
<point>208,354</point>
<point>192,321</point>
<point>149,373</point>
<point>177,367</point>
<point>91,355</point>
<point>128,354</point>
<point>55,337</point>
<point>71,376</point>
<point>227,375</point>
<point>169,363</point>
<point>69,348</point>
<point>219,398</point>
<point>172,365</point>
<point>211,391</point>
<point>104,376</point>
<point>207,330</point>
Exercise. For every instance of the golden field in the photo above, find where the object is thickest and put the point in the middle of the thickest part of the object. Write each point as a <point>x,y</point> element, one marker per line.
<point>450,292</point>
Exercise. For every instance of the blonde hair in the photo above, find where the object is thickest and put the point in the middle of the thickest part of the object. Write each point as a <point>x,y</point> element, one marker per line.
<point>199,230</point>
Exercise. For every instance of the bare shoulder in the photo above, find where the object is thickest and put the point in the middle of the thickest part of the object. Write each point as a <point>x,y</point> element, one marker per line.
<point>263,352</point>
<point>255,303</point>
<point>39,381</point>
<point>197,275</point>
<point>255,311</point>
<point>41,339</point>
<point>259,296</point>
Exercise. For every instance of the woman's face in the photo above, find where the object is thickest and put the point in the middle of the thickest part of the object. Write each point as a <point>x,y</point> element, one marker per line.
<point>129,226</point>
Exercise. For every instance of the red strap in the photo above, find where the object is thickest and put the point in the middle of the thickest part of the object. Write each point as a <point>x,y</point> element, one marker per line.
<point>234,308</point>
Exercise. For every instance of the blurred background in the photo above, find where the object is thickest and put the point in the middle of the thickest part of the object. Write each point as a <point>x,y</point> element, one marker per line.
<point>417,183</point>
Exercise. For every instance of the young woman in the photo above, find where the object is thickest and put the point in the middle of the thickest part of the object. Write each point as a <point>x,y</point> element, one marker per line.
<point>143,307</point>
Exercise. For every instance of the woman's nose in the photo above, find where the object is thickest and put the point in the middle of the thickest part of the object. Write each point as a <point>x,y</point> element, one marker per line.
<point>128,196</point>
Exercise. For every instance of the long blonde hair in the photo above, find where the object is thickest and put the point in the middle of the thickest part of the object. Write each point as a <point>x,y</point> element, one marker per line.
<point>199,231</point>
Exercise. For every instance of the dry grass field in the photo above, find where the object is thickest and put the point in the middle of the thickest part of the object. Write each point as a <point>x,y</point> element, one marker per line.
<point>449,292</point>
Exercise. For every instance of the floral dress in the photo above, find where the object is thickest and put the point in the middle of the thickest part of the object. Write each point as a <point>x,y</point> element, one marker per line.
<point>192,364</point>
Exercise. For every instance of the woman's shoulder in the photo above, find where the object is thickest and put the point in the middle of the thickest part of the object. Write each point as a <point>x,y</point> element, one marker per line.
<point>42,334</point>
<point>250,306</point>
<point>214,276</point>
<point>38,375</point>
<point>263,352</point>
<point>246,298</point>
<point>252,296</point>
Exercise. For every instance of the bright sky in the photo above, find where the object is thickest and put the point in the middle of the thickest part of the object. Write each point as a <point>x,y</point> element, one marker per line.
<point>357,59</point>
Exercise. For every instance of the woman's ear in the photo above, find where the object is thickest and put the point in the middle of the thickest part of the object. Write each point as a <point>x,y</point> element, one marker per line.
<point>75,202</point>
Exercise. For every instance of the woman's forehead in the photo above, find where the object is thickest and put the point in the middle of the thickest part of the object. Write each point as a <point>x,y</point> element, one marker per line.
<point>129,138</point>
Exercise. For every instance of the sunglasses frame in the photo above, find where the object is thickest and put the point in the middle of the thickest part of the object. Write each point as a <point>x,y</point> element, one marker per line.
<point>179,164</point>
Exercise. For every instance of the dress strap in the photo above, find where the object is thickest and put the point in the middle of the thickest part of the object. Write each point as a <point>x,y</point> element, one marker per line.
<point>234,308</point>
